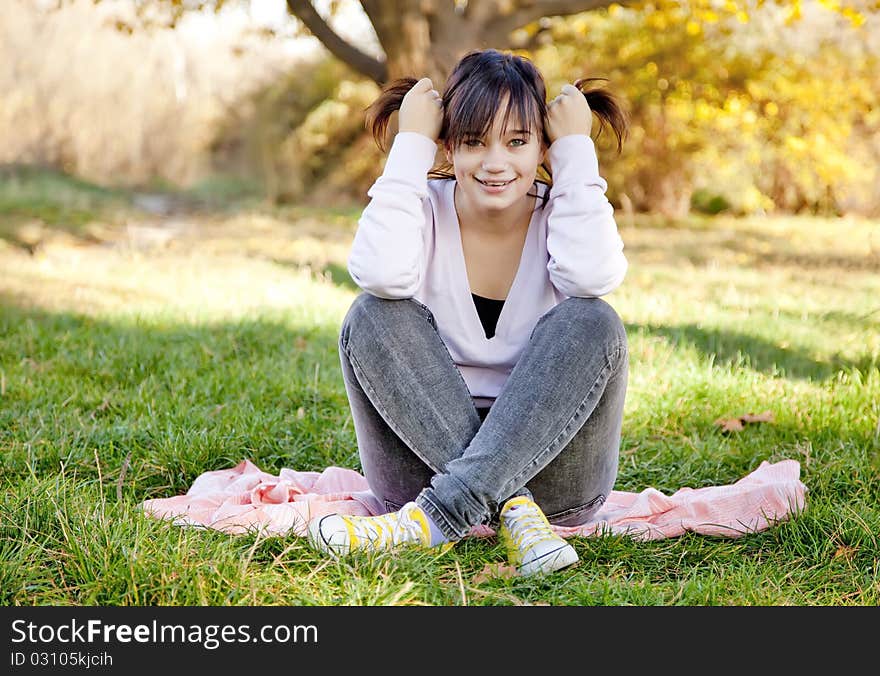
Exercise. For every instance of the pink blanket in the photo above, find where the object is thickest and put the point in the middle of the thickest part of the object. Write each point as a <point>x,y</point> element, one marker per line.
<point>244,498</point>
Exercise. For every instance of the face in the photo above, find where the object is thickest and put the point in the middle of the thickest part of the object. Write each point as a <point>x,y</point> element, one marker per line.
<point>510,158</point>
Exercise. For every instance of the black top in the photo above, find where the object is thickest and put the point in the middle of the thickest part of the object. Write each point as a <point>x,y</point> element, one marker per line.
<point>488,309</point>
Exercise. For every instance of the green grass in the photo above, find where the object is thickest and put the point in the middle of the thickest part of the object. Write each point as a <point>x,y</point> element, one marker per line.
<point>131,363</point>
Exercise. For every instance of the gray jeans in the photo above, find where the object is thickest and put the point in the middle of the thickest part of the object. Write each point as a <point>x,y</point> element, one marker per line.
<point>553,432</point>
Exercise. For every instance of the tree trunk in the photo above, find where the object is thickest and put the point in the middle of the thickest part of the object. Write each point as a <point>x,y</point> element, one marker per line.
<point>427,37</point>
<point>421,38</point>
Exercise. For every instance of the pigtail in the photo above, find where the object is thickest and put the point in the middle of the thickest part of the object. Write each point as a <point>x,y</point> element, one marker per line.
<point>379,112</point>
<point>607,108</point>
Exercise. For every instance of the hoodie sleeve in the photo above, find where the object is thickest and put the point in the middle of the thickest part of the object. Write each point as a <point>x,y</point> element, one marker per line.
<point>386,257</point>
<point>586,251</point>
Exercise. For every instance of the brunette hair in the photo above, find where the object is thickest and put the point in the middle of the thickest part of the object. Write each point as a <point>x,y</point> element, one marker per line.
<point>473,94</point>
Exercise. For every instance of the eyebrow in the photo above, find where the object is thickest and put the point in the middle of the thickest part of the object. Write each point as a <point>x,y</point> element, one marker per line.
<point>515,131</point>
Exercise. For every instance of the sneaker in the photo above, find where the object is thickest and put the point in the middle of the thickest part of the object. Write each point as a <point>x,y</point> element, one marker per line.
<point>532,546</point>
<point>339,535</point>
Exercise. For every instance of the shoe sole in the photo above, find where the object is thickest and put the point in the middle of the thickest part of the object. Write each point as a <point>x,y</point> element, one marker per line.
<point>551,561</point>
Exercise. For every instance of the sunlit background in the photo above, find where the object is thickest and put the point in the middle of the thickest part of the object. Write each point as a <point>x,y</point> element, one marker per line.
<point>735,107</point>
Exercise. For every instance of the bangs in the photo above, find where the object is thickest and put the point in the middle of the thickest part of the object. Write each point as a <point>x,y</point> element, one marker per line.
<point>474,106</point>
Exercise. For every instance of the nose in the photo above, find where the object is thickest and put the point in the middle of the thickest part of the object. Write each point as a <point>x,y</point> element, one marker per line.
<point>494,160</point>
<point>495,156</point>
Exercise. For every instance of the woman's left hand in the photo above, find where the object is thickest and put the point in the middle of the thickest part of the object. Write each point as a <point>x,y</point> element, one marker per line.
<point>569,113</point>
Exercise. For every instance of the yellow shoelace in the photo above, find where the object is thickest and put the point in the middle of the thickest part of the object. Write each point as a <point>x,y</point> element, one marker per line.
<point>384,532</point>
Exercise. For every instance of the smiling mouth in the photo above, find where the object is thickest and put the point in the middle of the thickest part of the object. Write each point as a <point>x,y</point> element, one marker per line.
<point>495,184</point>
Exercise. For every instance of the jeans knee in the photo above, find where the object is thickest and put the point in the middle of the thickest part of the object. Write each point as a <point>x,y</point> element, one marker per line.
<point>370,314</point>
<point>593,319</point>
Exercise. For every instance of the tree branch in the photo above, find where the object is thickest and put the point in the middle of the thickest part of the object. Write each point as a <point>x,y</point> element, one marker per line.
<point>497,31</point>
<point>363,63</point>
<point>373,10</point>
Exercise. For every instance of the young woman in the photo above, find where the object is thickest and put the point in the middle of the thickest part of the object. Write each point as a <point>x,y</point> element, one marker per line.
<point>486,377</point>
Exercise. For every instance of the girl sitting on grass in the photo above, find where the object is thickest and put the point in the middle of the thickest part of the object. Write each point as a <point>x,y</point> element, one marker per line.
<point>485,375</point>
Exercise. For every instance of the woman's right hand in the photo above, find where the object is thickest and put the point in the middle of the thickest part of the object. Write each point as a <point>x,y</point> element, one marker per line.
<point>422,110</point>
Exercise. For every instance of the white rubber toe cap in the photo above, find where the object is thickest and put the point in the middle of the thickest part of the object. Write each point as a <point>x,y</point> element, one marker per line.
<point>329,534</point>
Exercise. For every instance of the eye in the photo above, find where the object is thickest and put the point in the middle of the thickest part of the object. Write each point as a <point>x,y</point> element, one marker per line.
<point>471,142</point>
<point>520,140</point>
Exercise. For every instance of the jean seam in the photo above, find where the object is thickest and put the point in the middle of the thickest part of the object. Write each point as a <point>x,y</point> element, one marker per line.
<point>616,356</point>
<point>574,510</point>
<point>426,311</point>
<point>424,501</point>
<point>389,504</point>
<point>465,493</point>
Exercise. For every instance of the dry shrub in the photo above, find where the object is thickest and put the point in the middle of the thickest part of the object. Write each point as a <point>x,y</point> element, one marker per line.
<point>301,135</point>
<point>330,158</point>
<point>119,107</point>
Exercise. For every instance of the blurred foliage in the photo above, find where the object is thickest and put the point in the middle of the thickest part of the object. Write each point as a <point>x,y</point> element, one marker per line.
<point>304,135</point>
<point>735,111</point>
<point>750,110</point>
<point>743,107</point>
<point>114,107</point>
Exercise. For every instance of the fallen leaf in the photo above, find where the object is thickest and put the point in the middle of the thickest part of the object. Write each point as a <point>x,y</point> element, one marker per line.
<point>730,424</point>
<point>845,552</point>
<point>493,571</point>
<point>737,424</point>
<point>766,416</point>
